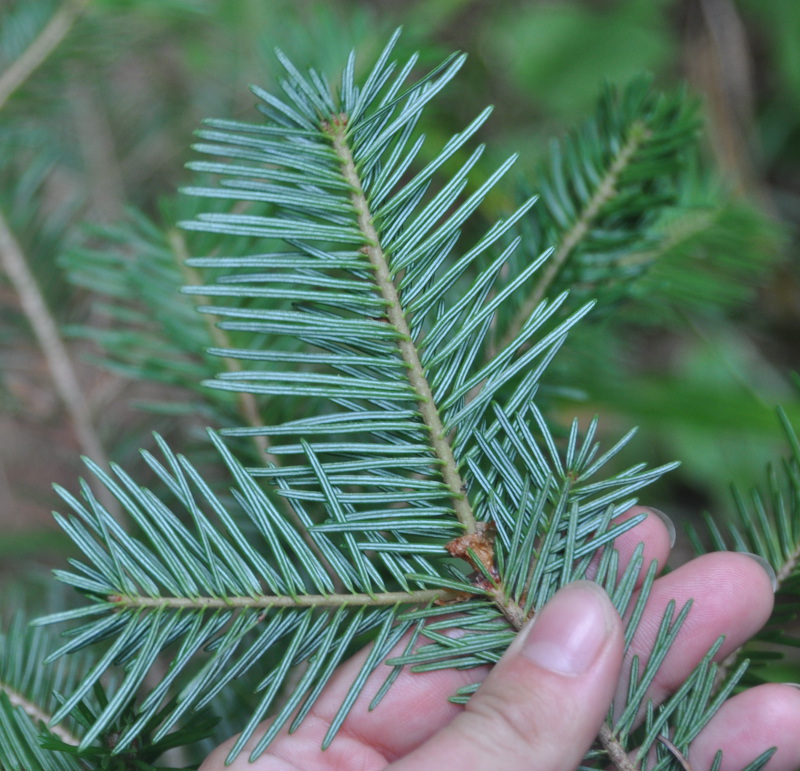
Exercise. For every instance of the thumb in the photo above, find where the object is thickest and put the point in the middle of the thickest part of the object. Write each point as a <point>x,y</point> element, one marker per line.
<point>543,702</point>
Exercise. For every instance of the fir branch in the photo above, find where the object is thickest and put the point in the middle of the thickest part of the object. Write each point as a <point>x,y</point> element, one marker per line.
<point>394,311</point>
<point>787,569</point>
<point>766,524</point>
<point>29,694</point>
<point>514,613</point>
<point>419,450</point>
<point>418,597</point>
<point>37,714</point>
<point>617,754</point>
<point>604,192</point>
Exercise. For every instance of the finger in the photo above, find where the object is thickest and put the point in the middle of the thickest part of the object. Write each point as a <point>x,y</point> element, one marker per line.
<point>749,723</point>
<point>544,701</point>
<point>414,708</point>
<point>731,595</point>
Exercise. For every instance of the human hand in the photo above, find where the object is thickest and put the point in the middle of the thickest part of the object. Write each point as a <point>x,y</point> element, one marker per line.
<point>541,706</point>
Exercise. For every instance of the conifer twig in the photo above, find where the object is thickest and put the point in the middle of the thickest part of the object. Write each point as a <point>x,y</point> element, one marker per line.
<point>65,379</point>
<point>38,715</point>
<point>337,130</point>
<point>40,48</point>
<point>782,574</point>
<point>418,597</point>
<point>606,188</point>
<point>616,752</point>
<point>787,568</point>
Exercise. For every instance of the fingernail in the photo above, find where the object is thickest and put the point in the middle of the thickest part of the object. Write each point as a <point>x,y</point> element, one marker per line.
<point>768,569</point>
<point>668,523</point>
<point>567,635</point>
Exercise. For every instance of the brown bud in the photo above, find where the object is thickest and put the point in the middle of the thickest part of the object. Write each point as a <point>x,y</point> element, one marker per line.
<point>478,545</point>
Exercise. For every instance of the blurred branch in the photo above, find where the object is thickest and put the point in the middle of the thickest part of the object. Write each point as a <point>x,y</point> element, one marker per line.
<point>248,407</point>
<point>58,360</point>
<point>606,189</point>
<point>37,715</point>
<point>41,47</point>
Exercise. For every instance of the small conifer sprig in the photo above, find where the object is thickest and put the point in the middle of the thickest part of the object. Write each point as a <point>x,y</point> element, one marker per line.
<point>422,491</point>
<point>28,697</point>
<point>604,189</point>
<point>766,523</point>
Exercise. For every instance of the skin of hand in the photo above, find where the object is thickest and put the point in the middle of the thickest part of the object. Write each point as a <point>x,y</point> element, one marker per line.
<point>541,706</point>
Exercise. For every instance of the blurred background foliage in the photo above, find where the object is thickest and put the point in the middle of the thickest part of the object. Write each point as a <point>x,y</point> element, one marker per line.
<point>93,146</point>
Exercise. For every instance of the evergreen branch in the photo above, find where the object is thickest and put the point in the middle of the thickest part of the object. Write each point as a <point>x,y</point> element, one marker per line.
<point>28,697</point>
<point>151,334</point>
<point>41,47</point>
<point>603,196</point>
<point>64,377</point>
<point>605,190</point>
<point>617,753</point>
<point>421,449</point>
<point>20,748</point>
<point>35,713</point>
<point>206,589</point>
<point>420,596</point>
<point>711,249</point>
<point>787,569</point>
<point>394,311</point>
<point>766,524</point>
<point>32,693</point>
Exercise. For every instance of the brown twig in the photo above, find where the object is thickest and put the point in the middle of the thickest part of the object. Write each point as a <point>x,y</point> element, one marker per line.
<point>679,756</point>
<point>38,716</point>
<point>65,379</point>
<point>40,48</point>
<point>263,601</point>
<point>616,752</point>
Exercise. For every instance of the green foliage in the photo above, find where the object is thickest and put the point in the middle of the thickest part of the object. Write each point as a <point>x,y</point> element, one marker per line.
<point>363,295</point>
<point>28,697</point>
<point>32,693</point>
<point>364,286</point>
<point>605,188</point>
<point>553,50</point>
<point>374,354</point>
<point>709,250</point>
<point>147,329</point>
<point>765,524</point>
